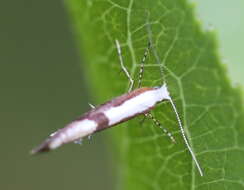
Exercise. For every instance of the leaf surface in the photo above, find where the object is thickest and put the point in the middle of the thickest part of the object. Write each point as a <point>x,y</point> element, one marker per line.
<point>211,110</point>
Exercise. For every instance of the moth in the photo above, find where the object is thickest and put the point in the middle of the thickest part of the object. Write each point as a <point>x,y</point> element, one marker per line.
<point>120,109</point>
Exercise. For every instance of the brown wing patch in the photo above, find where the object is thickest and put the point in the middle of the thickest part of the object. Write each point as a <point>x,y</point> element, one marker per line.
<point>121,99</point>
<point>97,114</point>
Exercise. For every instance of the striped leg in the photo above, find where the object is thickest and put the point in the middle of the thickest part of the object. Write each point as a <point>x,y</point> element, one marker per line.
<point>123,67</point>
<point>142,64</point>
<point>157,123</point>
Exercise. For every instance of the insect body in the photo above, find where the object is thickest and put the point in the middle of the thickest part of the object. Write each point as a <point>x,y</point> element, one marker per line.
<point>120,109</point>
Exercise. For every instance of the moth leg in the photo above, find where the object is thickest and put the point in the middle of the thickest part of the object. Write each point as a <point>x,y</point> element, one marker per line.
<point>142,64</point>
<point>123,66</point>
<point>157,123</point>
<point>91,105</point>
<point>142,120</point>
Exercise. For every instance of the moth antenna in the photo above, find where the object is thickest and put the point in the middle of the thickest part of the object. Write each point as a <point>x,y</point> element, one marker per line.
<point>149,30</point>
<point>123,66</point>
<point>184,137</point>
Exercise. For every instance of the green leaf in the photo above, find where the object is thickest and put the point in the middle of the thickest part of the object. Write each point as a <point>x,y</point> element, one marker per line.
<point>211,110</point>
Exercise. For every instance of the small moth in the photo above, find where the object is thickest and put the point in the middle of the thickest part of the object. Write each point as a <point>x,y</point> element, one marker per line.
<point>120,109</point>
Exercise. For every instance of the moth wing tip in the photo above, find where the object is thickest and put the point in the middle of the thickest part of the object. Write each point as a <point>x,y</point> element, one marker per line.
<point>44,147</point>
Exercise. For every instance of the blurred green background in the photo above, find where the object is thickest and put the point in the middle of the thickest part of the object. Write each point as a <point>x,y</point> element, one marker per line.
<point>226,18</point>
<point>43,87</point>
